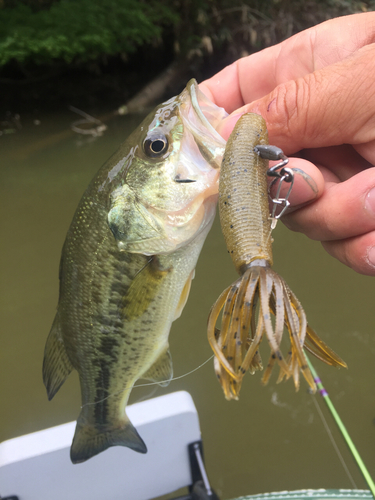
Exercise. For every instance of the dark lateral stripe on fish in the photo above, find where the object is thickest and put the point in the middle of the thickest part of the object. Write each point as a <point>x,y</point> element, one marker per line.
<point>102,382</point>
<point>122,263</point>
<point>111,320</point>
<point>119,287</point>
<point>121,274</point>
<point>109,346</point>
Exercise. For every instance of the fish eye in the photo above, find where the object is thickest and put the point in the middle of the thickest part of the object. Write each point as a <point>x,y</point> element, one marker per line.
<point>156,146</point>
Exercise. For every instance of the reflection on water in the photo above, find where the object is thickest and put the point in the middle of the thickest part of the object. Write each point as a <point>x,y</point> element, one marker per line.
<point>272,439</point>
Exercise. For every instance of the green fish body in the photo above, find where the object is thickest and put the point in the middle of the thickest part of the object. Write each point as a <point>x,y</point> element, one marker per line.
<point>127,264</point>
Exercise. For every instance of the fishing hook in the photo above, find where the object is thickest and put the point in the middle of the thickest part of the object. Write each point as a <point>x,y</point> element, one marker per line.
<point>280,174</point>
<point>287,175</point>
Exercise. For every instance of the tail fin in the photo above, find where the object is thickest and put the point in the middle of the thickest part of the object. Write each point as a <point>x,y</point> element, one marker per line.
<point>90,440</point>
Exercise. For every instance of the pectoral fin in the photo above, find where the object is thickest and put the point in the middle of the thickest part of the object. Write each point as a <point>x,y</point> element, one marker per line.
<point>56,364</point>
<point>143,289</point>
<point>161,371</point>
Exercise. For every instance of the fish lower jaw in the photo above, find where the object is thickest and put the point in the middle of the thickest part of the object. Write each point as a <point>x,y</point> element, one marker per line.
<point>182,235</point>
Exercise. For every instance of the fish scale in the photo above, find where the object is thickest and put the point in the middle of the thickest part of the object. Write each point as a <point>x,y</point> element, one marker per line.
<point>127,264</point>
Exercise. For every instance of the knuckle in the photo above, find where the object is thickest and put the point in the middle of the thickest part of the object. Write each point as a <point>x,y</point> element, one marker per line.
<point>288,110</point>
<point>282,109</point>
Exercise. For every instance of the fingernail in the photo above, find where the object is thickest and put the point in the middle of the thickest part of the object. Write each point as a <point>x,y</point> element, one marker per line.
<point>370,201</point>
<point>371,256</point>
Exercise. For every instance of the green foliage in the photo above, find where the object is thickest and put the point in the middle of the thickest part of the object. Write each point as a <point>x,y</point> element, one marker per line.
<point>72,30</point>
<point>76,31</point>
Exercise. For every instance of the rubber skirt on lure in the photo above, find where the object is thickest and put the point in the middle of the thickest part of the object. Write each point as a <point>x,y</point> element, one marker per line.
<point>259,303</point>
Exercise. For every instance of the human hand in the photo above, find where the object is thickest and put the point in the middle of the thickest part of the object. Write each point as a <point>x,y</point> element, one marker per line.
<point>316,92</point>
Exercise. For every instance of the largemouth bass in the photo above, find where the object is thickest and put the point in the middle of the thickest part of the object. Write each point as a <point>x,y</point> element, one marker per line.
<point>127,265</point>
<point>246,226</point>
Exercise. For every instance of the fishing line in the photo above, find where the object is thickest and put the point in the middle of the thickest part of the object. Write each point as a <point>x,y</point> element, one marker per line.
<point>342,428</point>
<point>148,395</point>
<point>180,376</point>
<point>149,383</point>
<point>334,444</point>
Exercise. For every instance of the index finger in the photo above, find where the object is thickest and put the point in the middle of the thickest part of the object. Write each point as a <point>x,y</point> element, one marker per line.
<point>255,76</point>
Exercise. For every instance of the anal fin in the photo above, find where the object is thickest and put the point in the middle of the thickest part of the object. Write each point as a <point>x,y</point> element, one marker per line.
<point>56,364</point>
<point>162,370</point>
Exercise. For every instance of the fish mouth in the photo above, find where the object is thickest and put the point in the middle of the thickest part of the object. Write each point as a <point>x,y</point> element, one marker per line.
<point>201,118</point>
<point>202,151</point>
<point>193,175</point>
<point>208,114</point>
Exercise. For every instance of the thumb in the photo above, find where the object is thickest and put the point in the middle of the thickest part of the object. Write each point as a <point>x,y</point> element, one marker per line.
<point>331,106</point>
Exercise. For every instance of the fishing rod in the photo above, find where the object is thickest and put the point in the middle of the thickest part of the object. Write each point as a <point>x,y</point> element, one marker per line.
<point>323,392</point>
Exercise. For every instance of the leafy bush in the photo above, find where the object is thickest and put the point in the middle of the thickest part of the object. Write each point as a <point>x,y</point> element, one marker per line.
<point>72,30</point>
<point>48,31</point>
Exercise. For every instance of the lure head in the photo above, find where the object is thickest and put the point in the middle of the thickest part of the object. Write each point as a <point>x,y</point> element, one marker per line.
<point>163,191</point>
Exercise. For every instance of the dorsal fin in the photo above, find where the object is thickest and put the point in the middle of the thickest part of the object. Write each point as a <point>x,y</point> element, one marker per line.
<point>56,364</point>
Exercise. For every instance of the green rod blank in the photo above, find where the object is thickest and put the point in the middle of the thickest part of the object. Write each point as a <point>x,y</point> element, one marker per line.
<point>342,428</point>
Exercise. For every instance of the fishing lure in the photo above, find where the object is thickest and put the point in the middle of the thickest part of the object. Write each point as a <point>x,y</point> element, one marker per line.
<point>248,304</point>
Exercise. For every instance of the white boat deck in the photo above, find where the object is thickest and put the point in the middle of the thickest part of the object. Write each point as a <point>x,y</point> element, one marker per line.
<point>37,466</point>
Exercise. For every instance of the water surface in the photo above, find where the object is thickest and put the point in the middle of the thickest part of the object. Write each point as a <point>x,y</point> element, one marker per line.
<point>270,440</point>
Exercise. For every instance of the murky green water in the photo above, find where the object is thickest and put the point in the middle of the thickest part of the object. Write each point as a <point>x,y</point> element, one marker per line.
<point>273,438</point>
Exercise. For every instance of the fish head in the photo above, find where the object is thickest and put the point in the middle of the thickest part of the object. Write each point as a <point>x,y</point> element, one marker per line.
<point>166,191</point>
